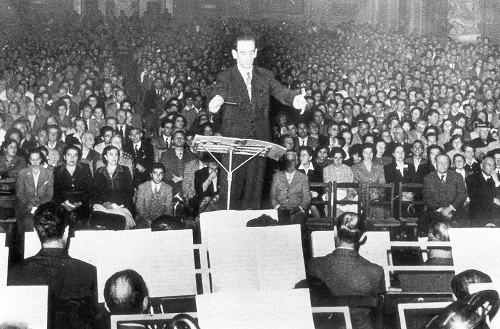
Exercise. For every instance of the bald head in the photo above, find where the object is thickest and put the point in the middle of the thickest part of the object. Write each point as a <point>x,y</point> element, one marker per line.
<point>125,292</point>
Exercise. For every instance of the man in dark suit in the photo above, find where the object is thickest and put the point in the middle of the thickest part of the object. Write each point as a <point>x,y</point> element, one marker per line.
<point>154,95</point>
<point>482,188</point>
<point>163,142</point>
<point>303,138</point>
<point>419,168</point>
<point>248,88</point>
<point>207,185</point>
<point>142,153</point>
<point>345,272</point>
<point>72,283</point>
<point>444,196</point>
<point>122,127</point>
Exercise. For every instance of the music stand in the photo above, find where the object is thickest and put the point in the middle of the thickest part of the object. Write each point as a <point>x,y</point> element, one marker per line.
<point>231,146</point>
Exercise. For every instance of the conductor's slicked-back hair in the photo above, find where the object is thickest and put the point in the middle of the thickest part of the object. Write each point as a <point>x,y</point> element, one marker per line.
<point>124,293</point>
<point>350,227</point>
<point>244,37</point>
<point>50,220</point>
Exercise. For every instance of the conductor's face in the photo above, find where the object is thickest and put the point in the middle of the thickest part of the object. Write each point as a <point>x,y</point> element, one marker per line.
<point>245,53</point>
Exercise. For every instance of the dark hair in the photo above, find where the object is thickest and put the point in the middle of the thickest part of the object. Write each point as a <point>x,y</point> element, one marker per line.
<point>165,121</point>
<point>368,146</point>
<point>432,147</point>
<point>244,37</point>
<point>105,152</point>
<point>168,223</point>
<point>7,142</point>
<point>336,150</point>
<point>308,149</point>
<point>125,301</point>
<point>350,227</point>
<point>72,147</point>
<point>50,220</point>
<point>158,165</point>
<point>104,129</point>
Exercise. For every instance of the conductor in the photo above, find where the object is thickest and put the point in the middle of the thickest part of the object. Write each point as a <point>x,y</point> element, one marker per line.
<point>241,96</point>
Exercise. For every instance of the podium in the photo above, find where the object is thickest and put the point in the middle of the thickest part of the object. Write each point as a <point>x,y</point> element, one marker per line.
<point>232,146</point>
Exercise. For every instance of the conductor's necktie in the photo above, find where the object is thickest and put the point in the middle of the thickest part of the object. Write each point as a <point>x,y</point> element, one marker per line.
<point>249,85</point>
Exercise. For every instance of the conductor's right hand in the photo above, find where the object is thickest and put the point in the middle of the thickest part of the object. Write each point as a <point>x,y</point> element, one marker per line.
<point>215,103</point>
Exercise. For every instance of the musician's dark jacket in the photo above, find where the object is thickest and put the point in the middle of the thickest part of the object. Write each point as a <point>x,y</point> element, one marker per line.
<point>72,286</point>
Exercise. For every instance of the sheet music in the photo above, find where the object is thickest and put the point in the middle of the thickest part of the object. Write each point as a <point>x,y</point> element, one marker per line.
<point>255,310</point>
<point>24,304</point>
<point>476,248</point>
<point>4,265</point>
<point>323,243</point>
<point>375,248</point>
<point>211,222</point>
<point>165,259</point>
<point>260,258</point>
<point>32,244</point>
<point>2,239</point>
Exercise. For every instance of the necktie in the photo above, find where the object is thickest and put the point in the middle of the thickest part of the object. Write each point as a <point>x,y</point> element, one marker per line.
<point>156,189</point>
<point>302,142</point>
<point>136,150</point>
<point>249,85</point>
<point>121,130</point>
<point>442,179</point>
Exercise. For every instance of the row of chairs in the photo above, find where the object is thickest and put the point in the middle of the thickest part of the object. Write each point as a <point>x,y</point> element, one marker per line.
<point>390,199</point>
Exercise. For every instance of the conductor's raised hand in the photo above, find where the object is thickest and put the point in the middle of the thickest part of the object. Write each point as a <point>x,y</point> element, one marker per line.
<point>300,103</point>
<point>215,103</point>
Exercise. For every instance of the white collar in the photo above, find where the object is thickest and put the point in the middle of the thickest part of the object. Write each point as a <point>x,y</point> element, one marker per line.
<point>310,166</point>
<point>485,177</point>
<point>244,72</point>
<point>138,144</point>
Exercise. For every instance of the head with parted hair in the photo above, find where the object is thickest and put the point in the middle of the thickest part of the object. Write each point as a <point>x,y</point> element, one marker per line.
<point>51,220</point>
<point>350,228</point>
<point>125,292</point>
<point>438,231</point>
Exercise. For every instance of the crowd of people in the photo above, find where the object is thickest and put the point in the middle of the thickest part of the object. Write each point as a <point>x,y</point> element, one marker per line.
<point>101,118</point>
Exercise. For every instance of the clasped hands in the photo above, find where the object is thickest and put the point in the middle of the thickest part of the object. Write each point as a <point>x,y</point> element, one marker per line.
<point>447,212</point>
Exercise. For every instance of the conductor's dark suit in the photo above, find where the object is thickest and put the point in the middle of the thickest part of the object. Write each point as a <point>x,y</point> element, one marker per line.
<point>482,209</point>
<point>247,119</point>
<point>346,273</point>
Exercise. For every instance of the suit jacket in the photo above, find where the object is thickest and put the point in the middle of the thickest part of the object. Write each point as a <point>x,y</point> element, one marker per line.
<point>74,188</point>
<point>393,174</point>
<point>249,118</point>
<point>144,197</point>
<point>451,192</point>
<point>481,193</point>
<point>176,166</point>
<point>311,141</point>
<point>200,176</point>
<point>72,286</point>
<point>160,146</point>
<point>295,194</point>
<point>144,157</point>
<point>116,189</point>
<point>127,132</point>
<point>26,193</point>
<point>38,123</point>
<point>151,98</point>
<point>419,173</point>
<point>361,174</point>
<point>346,273</point>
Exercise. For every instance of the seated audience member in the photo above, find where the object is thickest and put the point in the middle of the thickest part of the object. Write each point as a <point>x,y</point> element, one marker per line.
<point>432,152</point>
<point>73,185</point>
<point>207,186</point>
<point>303,138</point>
<point>290,192</point>
<point>125,158</point>
<point>482,189</point>
<point>345,272</point>
<point>34,186</point>
<point>154,197</point>
<point>142,155</point>
<point>438,232</point>
<point>72,283</point>
<point>164,141</point>
<point>75,135</point>
<point>113,192</point>
<point>175,160</point>
<point>471,164</point>
<point>10,162</point>
<point>340,173</point>
<point>55,142</point>
<point>419,168</point>
<point>444,196</point>
<point>459,166</point>
<point>380,157</point>
<point>89,155</point>
<point>320,159</point>
<point>105,133</point>
<point>315,175</point>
